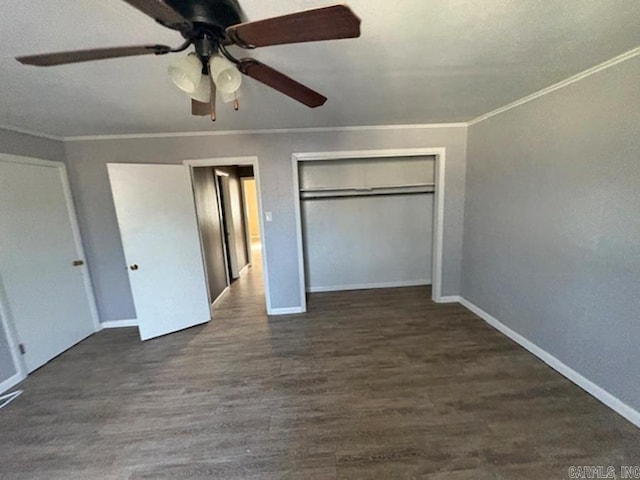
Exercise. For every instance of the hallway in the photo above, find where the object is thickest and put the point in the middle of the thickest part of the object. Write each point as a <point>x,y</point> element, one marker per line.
<point>246,295</point>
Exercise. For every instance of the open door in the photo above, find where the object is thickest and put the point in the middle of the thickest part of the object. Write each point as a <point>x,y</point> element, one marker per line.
<point>226,210</point>
<point>157,219</point>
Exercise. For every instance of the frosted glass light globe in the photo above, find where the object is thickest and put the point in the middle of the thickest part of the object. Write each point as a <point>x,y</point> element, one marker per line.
<point>202,92</point>
<point>225,74</point>
<point>186,73</point>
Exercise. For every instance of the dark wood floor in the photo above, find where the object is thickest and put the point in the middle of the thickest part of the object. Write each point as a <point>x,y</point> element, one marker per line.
<point>368,385</point>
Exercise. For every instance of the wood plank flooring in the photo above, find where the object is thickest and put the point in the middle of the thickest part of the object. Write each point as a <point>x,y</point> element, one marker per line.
<point>380,384</point>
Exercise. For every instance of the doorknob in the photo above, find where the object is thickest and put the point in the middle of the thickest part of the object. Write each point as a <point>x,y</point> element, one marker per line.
<point>77,263</point>
<point>134,266</point>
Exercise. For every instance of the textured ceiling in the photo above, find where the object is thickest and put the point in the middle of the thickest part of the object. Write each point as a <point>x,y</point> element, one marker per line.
<point>418,61</point>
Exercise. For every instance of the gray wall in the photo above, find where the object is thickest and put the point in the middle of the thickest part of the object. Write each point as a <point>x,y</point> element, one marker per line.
<point>29,146</point>
<point>552,225</point>
<point>88,173</point>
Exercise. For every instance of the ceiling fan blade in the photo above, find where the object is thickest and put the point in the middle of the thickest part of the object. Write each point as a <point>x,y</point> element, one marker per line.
<point>279,81</point>
<point>328,23</point>
<point>76,56</point>
<point>200,109</point>
<point>161,13</point>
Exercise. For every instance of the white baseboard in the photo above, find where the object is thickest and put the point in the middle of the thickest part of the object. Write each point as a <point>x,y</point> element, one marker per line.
<point>215,302</point>
<point>369,286</point>
<point>587,385</point>
<point>286,311</point>
<point>449,299</point>
<point>10,382</point>
<point>120,323</point>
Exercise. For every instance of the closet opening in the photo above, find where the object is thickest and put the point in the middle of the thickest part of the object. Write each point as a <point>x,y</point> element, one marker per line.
<point>370,219</point>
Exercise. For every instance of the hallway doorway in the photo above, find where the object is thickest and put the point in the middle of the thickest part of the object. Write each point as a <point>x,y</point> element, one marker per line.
<point>229,221</point>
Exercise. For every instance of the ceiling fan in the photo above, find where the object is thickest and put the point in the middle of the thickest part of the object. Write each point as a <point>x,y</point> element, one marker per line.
<point>211,26</point>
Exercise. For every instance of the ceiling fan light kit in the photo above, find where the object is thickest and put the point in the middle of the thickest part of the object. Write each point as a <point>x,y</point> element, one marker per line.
<point>194,78</point>
<point>211,26</point>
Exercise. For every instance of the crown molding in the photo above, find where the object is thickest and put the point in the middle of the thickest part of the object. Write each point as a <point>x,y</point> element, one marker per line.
<point>557,86</point>
<point>33,133</point>
<point>133,136</point>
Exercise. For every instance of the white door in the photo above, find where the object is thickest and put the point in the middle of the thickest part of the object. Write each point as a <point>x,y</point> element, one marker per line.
<point>157,218</point>
<point>43,277</point>
<point>224,194</point>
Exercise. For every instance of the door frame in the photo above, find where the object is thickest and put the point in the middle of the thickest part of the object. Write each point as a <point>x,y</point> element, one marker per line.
<point>438,217</point>
<point>254,162</point>
<point>245,216</point>
<point>7,323</point>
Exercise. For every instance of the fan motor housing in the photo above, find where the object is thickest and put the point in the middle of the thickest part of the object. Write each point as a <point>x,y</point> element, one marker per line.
<point>212,15</point>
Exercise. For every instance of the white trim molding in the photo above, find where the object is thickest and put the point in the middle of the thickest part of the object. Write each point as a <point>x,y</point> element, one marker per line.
<point>438,220</point>
<point>302,284</point>
<point>557,86</point>
<point>450,299</point>
<point>11,382</point>
<point>587,385</point>
<point>120,323</point>
<point>244,269</point>
<point>221,162</point>
<point>370,286</point>
<point>6,157</point>
<point>286,311</point>
<point>221,296</point>
<point>267,131</point>
<point>8,328</point>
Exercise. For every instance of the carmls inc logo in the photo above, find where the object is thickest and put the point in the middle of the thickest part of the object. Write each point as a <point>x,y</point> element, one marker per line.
<point>601,471</point>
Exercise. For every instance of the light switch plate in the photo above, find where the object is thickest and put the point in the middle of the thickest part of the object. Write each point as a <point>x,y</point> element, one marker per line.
<point>268,217</point>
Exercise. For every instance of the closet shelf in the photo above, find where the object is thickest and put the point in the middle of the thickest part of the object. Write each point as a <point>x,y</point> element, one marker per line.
<point>335,192</point>
<point>365,187</point>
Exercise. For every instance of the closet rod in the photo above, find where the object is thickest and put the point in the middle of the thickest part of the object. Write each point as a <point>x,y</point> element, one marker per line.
<point>366,187</point>
<point>362,194</point>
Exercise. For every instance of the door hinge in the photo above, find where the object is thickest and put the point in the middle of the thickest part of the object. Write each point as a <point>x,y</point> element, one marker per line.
<point>22,348</point>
